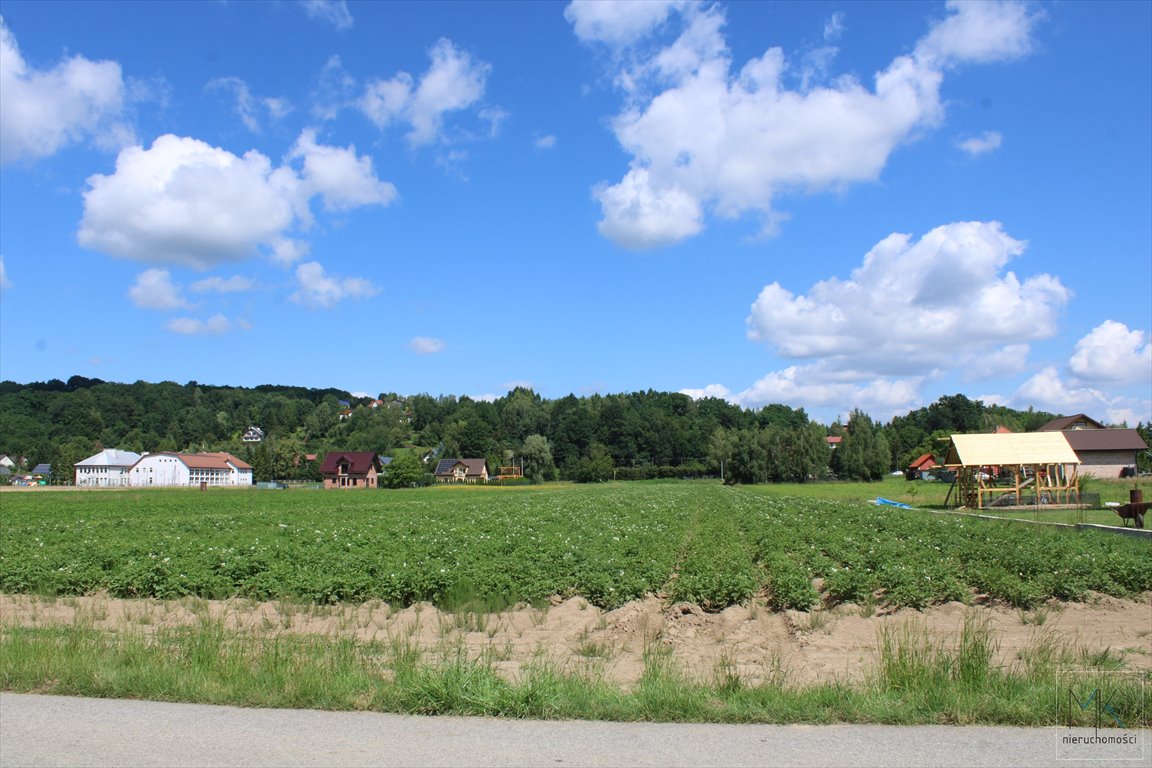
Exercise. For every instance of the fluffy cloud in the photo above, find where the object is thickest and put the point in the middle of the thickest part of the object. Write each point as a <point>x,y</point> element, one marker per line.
<point>1113,354</point>
<point>154,289</point>
<point>424,345</point>
<point>452,83</point>
<point>343,179</point>
<point>617,22</point>
<point>318,289</point>
<point>1048,391</point>
<point>42,111</point>
<point>914,306</point>
<point>191,326</point>
<point>185,202</point>
<point>978,145</point>
<point>819,387</point>
<point>980,31</point>
<point>4,281</point>
<point>705,139</point>
<point>334,12</point>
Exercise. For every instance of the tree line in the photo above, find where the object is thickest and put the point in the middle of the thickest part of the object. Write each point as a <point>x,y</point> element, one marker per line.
<point>635,435</point>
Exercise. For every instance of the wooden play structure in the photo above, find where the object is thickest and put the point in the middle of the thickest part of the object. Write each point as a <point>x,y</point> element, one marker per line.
<point>1013,471</point>
<point>510,473</point>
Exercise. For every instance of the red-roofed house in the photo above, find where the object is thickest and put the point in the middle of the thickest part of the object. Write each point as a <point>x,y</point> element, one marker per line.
<point>189,469</point>
<point>924,463</point>
<point>350,469</point>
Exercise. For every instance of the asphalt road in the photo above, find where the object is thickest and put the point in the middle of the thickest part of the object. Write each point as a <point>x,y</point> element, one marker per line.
<point>62,731</point>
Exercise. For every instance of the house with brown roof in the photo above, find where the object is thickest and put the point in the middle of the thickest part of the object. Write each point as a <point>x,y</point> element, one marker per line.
<point>461,471</point>
<point>350,469</point>
<point>1103,452</point>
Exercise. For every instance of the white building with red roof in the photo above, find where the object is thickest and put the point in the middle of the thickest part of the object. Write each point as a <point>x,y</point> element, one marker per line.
<point>189,469</point>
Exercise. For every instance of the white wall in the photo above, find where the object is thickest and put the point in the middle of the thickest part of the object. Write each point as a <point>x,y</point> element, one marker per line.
<point>159,469</point>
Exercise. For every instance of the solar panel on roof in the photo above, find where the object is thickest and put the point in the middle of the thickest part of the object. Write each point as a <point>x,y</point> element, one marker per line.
<point>444,465</point>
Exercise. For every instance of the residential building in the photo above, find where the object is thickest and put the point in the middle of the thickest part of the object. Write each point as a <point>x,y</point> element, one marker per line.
<point>462,471</point>
<point>252,435</point>
<point>107,469</point>
<point>1103,452</point>
<point>351,469</point>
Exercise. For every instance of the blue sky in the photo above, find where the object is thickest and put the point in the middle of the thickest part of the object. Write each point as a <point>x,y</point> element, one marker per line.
<point>831,205</point>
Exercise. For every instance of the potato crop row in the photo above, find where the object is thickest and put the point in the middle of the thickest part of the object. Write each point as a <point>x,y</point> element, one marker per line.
<point>696,542</point>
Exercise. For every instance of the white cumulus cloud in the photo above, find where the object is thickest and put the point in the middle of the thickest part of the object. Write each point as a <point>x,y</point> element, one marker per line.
<point>1113,354</point>
<point>342,178</point>
<point>154,289</point>
<point>705,137</point>
<point>913,306</point>
<point>453,82</point>
<point>617,22</point>
<point>185,202</point>
<point>42,111</point>
<point>317,289</point>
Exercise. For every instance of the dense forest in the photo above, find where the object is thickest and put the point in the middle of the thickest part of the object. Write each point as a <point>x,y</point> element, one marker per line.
<point>624,436</point>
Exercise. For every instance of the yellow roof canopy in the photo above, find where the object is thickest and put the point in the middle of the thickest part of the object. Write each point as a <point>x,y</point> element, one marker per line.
<point>1010,450</point>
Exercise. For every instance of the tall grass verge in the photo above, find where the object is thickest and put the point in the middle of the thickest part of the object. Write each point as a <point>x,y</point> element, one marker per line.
<point>918,678</point>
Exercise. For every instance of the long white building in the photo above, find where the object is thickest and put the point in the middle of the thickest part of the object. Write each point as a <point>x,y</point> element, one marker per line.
<point>107,469</point>
<point>189,469</point>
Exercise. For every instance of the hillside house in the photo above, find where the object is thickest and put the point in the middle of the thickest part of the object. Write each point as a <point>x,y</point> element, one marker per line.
<point>252,435</point>
<point>107,469</point>
<point>189,469</point>
<point>1103,452</point>
<point>461,471</point>
<point>351,469</point>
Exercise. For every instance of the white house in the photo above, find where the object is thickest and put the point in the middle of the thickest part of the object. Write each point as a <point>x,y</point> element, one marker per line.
<point>189,469</point>
<point>107,469</point>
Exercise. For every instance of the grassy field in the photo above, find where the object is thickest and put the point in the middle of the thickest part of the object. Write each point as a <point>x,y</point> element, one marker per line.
<point>469,549</point>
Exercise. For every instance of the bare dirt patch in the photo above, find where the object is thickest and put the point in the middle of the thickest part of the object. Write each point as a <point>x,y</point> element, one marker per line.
<point>749,642</point>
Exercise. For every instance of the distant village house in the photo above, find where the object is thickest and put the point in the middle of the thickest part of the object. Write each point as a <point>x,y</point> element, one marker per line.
<point>351,469</point>
<point>462,471</point>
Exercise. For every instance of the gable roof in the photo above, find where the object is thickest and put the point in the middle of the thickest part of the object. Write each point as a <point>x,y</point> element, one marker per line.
<point>1010,450</point>
<point>473,467</point>
<point>1068,423</point>
<point>927,460</point>
<point>1105,440</point>
<point>110,457</point>
<point>359,462</point>
<point>220,460</point>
